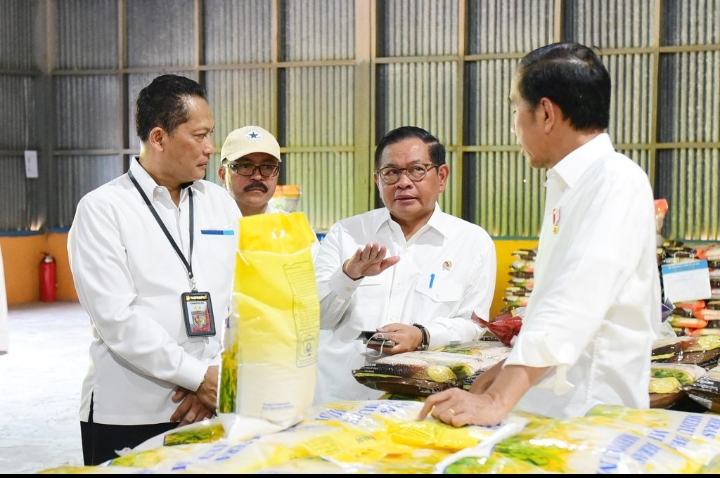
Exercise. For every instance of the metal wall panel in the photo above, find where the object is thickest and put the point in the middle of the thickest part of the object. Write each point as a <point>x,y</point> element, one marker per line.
<point>16,34</point>
<point>87,34</point>
<point>689,101</point>
<point>80,175</point>
<point>609,23</point>
<point>18,197</point>
<point>319,113</point>
<point>319,106</point>
<point>417,28</point>
<point>690,22</point>
<point>503,193</point>
<point>511,26</point>
<point>238,98</point>
<point>419,94</point>
<point>630,105</point>
<point>690,181</point>
<point>317,30</point>
<point>326,184</point>
<point>451,199</point>
<point>488,116</point>
<point>641,157</point>
<point>17,121</point>
<point>237,32</point>
<point>87,112</point>
<point>160,33</point>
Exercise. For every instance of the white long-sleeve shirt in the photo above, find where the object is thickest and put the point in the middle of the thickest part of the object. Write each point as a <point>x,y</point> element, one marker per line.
<point>595,307</point>
<point>4,347</point>
<point>446,271</point>
<point>129,279</point>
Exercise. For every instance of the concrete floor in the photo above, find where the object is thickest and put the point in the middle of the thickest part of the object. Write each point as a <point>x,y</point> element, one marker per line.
<point>40,380</point>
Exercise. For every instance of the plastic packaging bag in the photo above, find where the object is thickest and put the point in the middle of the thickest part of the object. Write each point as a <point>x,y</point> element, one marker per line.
<point>269,364</point>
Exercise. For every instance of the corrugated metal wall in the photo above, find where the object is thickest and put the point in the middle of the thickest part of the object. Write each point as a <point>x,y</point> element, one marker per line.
<point>292,66</point>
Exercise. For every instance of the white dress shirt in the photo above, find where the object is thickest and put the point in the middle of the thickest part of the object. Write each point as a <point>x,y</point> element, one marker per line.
<point>129,279</point>
<point>595,307</point>
<point>3,311</point>
<point>446,271</point>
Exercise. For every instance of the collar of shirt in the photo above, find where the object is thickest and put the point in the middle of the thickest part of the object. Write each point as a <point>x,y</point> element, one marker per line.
<point>148,184</point>
<point>438,221</point>
<point>572,166</point>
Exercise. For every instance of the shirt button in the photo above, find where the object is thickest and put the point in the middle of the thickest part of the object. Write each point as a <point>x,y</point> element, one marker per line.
<point>348,289</point>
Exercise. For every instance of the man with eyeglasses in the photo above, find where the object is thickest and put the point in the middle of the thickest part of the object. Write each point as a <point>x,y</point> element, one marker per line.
<point>250,166</point>
<point>408,270</point>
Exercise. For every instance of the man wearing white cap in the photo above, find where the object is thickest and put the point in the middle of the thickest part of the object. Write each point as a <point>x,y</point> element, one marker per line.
<point>249,170</point>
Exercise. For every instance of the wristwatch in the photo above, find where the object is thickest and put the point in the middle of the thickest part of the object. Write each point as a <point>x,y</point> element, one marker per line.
<point>423,330</point>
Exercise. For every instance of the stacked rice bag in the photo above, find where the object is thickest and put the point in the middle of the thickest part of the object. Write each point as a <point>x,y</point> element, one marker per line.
<point>522,272</point>
<point>697,317</point>
<point>422,373</point>
<point>706,391</point>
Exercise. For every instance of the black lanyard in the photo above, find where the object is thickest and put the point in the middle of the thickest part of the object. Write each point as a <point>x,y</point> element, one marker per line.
<point>188,264</point>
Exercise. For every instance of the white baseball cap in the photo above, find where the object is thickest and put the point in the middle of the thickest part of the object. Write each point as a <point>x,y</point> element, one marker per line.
<point>247,140</point>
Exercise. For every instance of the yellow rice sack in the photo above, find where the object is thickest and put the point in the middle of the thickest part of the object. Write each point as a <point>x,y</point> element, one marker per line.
<point>269,364</point>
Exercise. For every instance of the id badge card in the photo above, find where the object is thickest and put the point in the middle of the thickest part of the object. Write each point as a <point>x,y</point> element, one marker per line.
<point>198,313</point>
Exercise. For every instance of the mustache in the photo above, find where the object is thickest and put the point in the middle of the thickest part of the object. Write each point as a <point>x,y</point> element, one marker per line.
<point>256,184</point>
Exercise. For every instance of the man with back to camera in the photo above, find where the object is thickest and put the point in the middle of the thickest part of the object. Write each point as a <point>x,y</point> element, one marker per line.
<point>594,312</point>
<point>407,270</point>
<point>149,251</point>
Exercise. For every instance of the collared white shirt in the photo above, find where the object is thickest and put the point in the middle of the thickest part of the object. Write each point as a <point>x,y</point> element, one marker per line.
<point>3,311</point>
<point>595,308</point>
<point>446,271</point>
<point>129,279</point>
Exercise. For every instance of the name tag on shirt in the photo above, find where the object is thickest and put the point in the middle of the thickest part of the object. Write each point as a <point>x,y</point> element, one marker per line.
<point>198,314</point>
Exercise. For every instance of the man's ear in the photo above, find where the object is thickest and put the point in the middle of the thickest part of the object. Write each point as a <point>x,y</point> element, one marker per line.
<point>551,114</point>
<point>156,138</point>
<point>443,173</point>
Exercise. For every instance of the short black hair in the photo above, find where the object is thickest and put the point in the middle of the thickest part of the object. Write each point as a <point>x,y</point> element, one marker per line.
<point>436,148</point>
<point>162,103</point>
<point>572,76</point>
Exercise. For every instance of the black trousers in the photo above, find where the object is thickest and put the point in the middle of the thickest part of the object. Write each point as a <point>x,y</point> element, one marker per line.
<point>99,441</point>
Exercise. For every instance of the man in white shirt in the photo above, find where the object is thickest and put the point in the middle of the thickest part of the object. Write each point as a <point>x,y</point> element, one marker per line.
<point>152,255</point>
<point>594,312</point>
<point>407,270</point>
<point>249,170</point>
<point>4,347</point>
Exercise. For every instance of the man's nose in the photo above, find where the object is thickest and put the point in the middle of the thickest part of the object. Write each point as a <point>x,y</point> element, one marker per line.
<point>404,180</point>
<point>256,173</point>
<point>209,146</point>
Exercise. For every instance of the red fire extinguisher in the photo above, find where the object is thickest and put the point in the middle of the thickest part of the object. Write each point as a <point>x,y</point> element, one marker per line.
<point>48,284</point>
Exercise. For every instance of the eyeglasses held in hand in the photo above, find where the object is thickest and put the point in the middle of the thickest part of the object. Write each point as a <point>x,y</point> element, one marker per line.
<point>247,169</point>
<point>416,173</point>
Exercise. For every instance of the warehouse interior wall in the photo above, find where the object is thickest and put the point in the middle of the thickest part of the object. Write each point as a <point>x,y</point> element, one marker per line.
<point>328,78</point>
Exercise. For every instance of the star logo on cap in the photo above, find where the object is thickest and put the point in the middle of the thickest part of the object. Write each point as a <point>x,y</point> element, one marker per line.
<point>253,136</point>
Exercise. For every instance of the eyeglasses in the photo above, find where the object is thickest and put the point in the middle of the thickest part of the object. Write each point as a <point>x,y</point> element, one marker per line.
<point>416,173</point>
<point>247,169</point>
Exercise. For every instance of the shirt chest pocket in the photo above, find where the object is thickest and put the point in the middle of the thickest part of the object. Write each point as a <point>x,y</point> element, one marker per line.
<point>440,291</point>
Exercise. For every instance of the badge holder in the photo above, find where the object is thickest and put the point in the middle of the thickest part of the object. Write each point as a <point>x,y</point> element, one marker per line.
<point>198,314</point>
